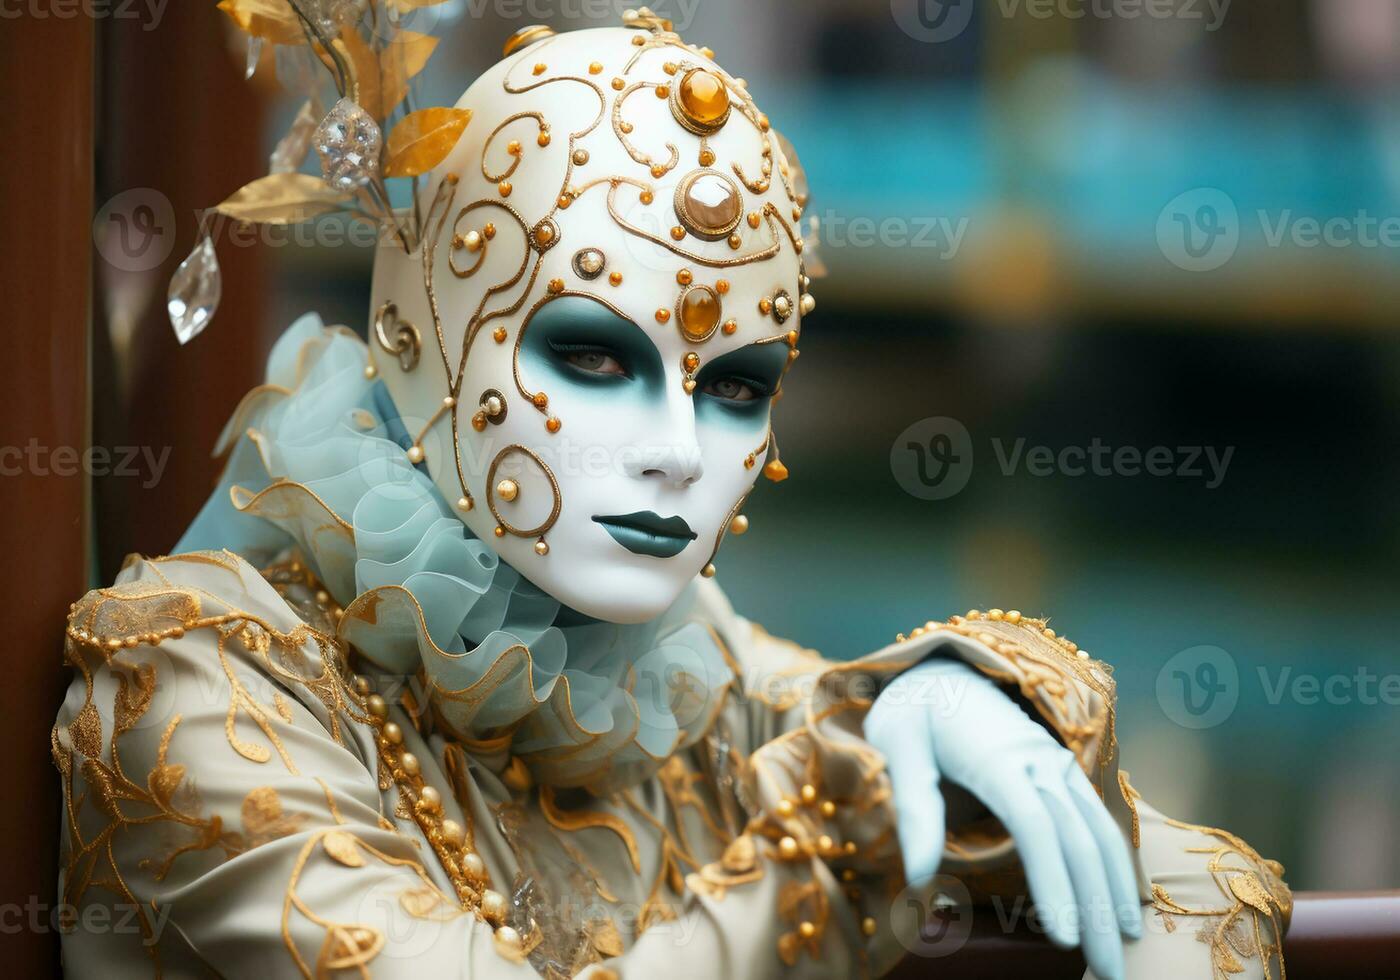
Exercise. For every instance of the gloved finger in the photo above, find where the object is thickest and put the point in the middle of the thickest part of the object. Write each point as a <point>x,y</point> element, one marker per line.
<point>1013,798</point>
<point>1098,927</point>
<point>1117,859</point>
<point>918,802</point>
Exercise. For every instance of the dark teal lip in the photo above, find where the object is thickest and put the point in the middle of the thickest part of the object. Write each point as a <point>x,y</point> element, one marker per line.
<point>648,533</point>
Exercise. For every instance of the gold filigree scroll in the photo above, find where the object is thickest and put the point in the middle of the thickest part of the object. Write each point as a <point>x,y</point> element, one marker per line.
<point>621,128</point>
<point>517,154</point>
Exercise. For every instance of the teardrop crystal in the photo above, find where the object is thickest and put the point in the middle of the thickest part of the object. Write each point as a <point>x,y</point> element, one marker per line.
<point>348,142</point>
<point>255,49</point>
<point>194,291</point>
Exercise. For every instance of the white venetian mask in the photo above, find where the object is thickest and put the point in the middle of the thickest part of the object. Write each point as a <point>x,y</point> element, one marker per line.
<point>588,343</point>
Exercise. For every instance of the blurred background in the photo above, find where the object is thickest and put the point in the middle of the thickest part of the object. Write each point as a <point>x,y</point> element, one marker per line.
<point>1168,228</point>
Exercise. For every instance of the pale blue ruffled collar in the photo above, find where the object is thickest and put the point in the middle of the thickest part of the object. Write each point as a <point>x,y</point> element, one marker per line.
<point>318,464</point>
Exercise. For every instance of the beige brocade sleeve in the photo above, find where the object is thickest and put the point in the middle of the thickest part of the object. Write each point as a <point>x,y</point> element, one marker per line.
<point>1213,906</point>
<point>221,806</point>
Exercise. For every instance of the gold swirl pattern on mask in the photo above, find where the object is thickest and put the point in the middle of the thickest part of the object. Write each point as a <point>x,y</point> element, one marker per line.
<point>503,526</point>
<point>622,127</point>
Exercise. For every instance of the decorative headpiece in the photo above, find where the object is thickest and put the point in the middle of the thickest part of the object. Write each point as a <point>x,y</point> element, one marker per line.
<point>619,165</point>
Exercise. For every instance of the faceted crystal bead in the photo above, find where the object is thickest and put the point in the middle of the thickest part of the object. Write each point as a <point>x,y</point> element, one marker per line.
<point>348,142</point>
<point>330,16</point>
<point>194,291</point>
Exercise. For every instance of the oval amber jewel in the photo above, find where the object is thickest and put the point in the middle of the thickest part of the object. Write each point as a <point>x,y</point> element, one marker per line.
<point>703,97</point>
<point>699,312</point>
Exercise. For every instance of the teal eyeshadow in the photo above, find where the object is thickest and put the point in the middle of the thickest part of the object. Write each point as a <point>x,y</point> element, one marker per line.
<point>574,323</point>
<point>758,365</point>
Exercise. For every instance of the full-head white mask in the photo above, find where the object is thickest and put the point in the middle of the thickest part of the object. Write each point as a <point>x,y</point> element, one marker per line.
<point>586,346</point>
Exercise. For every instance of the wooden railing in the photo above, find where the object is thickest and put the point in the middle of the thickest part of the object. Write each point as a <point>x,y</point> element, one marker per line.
<point>1333,936</point>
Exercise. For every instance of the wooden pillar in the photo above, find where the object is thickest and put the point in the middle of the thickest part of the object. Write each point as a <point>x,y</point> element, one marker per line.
<point>46,171</point>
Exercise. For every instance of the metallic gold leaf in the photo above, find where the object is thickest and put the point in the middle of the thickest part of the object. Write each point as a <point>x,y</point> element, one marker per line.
<point>429,903</point>
<point>283,199</point>
<point>1248,890</point>
<point>341,846</point>
<point>381,80</point>
<point>163,781</point>
<point>606,939</point>
<point>422,139</point>
<point>272,20</point>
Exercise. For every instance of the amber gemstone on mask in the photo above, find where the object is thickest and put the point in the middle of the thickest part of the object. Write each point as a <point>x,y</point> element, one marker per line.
<point>700,311</point>
<point>703,97</point>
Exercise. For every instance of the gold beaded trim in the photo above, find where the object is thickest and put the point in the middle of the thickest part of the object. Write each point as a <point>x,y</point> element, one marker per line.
<point>448,838</point>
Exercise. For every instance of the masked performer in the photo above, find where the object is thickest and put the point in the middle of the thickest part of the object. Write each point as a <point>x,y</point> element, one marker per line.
<point>440,682</point>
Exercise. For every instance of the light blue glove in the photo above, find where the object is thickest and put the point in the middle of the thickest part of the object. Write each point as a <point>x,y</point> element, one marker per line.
<point>943,719</point>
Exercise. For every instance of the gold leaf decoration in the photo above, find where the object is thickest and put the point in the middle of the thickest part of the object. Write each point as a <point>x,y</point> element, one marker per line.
<point>1248,890</point>
<point>271,20</point>
<point>429,903</point>
<point>341,846</point>
<point>163,781</point>
<point>381,79</point>
<point>606,939</point>
<point>283,199</point>
<point>422,139</point>
<point>264,819</point>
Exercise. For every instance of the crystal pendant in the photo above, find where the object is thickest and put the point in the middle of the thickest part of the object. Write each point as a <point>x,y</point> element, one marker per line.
<point>291,148</point>
<point>348,142</point>
<point>255,49</point>
<point>194,291</point>
<point>330,16</point>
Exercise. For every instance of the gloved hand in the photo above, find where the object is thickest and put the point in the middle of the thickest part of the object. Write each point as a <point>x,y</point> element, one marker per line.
<point>943,719</point>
